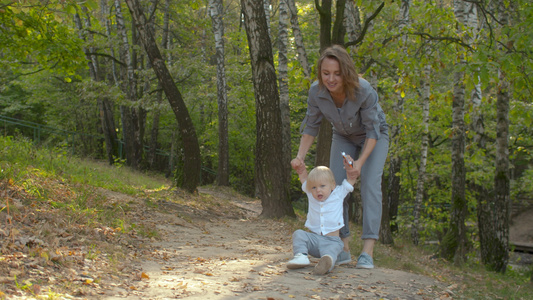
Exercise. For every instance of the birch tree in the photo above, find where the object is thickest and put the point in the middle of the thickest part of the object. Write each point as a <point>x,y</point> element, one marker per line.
<point>298,40</point>
<point>426,93</point>
<point>283,38</point>
<point>395,162</point>
<point>453,245</point>
<point>216,12</point>
<point>493,212</point>
<point>131,116</point>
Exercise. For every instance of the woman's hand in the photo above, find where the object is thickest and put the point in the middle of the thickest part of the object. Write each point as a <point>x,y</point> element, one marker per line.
<point>298,165</point>
<point>356,170</point>
<point>353,168</point>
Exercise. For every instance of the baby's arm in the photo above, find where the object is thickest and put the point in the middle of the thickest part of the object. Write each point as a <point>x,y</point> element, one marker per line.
<point>302,173</point>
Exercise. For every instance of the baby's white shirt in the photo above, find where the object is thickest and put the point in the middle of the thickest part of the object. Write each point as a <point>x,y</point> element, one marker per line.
<point>326,216</point>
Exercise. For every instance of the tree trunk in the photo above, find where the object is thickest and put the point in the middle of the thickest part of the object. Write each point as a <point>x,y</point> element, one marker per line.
<point>453,245</point>
<point>192,161</point>
<point>172,154</point>
<point>266,6</point>
<point>107,106</point>
<point>393,189</point>
<point>270,170</point>
<point>339,31</point>
<point>324,11</point>
<point>216,9</point>
<point>494,212</point>
<point>396,130</point>
<point>298,40</point>
<point>107,116</point>
<point>156,112</point>
<point>130,117</point>
<point>283,62</point>
<point>426,92</point>
<point>352,21</point>
<point>385,233</point>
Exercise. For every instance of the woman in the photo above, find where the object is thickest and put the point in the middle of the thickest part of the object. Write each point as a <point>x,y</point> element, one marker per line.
<point>359,129</point>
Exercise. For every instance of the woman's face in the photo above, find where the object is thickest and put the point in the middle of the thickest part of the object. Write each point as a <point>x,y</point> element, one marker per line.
<point>331,76</point>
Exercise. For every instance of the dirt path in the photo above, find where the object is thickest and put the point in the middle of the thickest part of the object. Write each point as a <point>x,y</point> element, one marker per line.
<point>235,255</point>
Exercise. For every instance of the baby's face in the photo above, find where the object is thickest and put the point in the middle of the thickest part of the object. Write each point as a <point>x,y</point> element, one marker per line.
<point>321,190</point>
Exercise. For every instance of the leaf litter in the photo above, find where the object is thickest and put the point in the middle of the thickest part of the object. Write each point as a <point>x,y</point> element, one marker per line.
<point>213,245</point>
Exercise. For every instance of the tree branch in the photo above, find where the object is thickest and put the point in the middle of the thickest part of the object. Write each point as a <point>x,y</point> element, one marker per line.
<point>108,56</point>
<point>443,38</point>
<point>365,27</point>
<point>319,7</point>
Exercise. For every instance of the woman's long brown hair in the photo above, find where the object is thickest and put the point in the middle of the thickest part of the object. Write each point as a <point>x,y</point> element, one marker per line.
<point>350,78</point>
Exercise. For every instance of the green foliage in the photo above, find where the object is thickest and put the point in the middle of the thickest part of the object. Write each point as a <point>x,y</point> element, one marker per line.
<point>21,158</point>
<point>15,102</point>
<point>34,37</point>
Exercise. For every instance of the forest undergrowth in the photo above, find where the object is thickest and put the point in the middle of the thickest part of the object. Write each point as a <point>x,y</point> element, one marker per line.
<point>63,233</point>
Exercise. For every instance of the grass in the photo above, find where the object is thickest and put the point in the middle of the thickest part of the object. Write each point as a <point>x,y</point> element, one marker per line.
<point>69,186</point>
<point>19,158</point>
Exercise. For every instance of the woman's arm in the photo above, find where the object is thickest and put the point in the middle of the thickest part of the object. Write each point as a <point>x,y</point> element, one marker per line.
<point>305,143</point>
<point>298,163</point>
<point>365,153</point>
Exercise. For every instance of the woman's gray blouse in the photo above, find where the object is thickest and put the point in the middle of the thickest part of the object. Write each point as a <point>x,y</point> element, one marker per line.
<point>362,118</point>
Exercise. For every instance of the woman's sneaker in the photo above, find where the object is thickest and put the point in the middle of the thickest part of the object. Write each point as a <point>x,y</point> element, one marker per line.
<point>343,258</point>
<point>365,261</point>
<point>324,265</point>
<point>300,260</point>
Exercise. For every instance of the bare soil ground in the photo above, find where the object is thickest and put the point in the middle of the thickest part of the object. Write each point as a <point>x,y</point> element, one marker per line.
<point>213,248</point>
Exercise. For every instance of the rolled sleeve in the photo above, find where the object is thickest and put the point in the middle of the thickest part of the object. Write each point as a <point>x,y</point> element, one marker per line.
<point>370,111</point>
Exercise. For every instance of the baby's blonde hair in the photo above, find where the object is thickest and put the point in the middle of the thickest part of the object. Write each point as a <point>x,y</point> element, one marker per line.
<point>320,174</point>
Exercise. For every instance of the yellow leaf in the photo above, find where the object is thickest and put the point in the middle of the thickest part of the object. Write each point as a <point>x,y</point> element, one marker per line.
<point>144,275</point>
<point>402,94</point>
<point>45,255</point>
<point>88,281</point>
